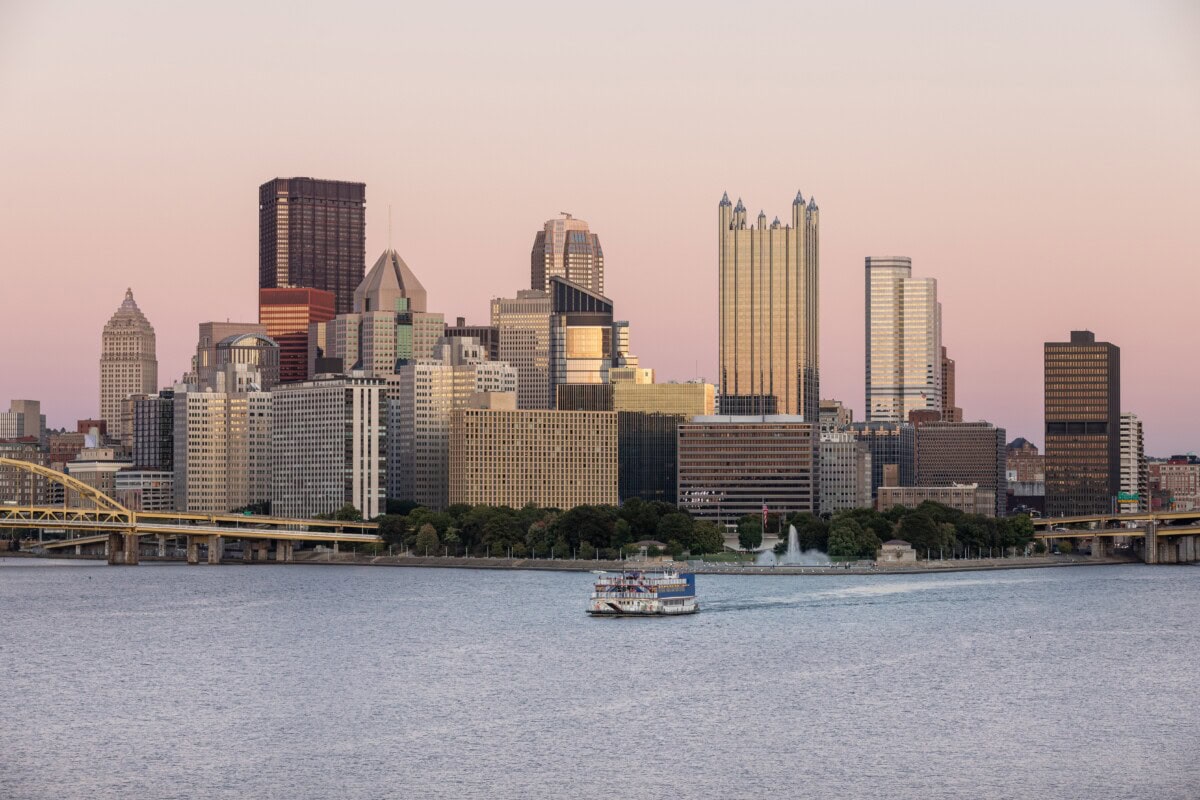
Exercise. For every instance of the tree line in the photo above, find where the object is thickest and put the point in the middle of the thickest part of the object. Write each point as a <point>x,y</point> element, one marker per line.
<point>607,532</point>
<point>859,533</point>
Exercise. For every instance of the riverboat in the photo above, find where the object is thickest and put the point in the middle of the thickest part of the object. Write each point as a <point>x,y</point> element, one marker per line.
<point>637,593</point>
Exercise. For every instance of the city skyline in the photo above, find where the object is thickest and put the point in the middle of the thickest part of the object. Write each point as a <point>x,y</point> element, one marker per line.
<point>646,186</point>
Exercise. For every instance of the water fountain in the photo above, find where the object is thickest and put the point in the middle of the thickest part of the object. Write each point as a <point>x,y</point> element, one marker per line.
<point>794,557</point>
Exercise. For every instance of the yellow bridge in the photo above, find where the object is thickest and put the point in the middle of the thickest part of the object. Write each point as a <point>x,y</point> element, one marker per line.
<point>1161,537</point>
<point>100,521</point>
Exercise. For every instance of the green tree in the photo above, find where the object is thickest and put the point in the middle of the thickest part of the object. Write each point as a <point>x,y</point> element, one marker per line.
<point>919,530</point>
<point>707,538</point>
<point>812,532</point>
<point>586,551</point>
<point>427,540</point>
<point>593,524</point>
<point>845,537</point>
<point>393,528</point>
<point>676,526</point>
<point>750,534</point>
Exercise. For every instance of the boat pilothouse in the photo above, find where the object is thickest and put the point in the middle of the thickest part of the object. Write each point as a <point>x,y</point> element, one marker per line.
<point>635,593</point>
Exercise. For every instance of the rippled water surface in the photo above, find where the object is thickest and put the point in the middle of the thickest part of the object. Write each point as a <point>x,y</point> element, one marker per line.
<point>365,682</point>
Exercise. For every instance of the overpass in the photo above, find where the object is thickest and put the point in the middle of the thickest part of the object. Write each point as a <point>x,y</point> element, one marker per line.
<point>101,520</point>
<point>1161,537</point>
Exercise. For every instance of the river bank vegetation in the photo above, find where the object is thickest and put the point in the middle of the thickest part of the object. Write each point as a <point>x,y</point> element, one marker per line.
<point>608,532</point>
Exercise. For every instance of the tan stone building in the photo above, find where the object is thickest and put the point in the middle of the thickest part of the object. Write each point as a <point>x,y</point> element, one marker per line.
<point>566,248</point>
<point>969,498</point>
<point>128,364</point>
<point>553,459</point>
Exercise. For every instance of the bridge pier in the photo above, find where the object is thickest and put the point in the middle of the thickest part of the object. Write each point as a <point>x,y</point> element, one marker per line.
<point>283,550</point>
<point>1099,547</point>
<point>162,545</point>
<point>132,547</point>
<point>1151,543</point>
<point>122,548</point>
<point>216,548</point>
<point>193,549</point>
<point>113,549</point>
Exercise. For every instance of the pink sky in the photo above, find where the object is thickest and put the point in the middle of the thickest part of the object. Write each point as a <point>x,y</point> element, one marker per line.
<point>1041,160</point>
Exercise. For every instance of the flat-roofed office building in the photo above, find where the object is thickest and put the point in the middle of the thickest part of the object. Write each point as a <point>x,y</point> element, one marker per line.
<point>647,442</point>
<point>328,446</point>
<point>523,331</point>
<point>1083,425</point>
<point>286,314</point>
<point>968,498</point>
<point>553,459</point>
<point>963,452</point>
<point>731,466</point>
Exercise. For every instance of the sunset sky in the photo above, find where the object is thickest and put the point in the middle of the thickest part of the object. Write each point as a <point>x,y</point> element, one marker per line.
<point>1040,159</point>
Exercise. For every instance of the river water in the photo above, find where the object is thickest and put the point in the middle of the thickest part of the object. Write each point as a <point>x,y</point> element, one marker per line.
<point>167,681</point>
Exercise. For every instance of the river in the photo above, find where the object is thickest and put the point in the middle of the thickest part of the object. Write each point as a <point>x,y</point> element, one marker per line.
<point>167,681</point>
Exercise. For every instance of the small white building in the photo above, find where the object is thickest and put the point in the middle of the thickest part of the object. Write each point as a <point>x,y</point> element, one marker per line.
<point>897,551</point>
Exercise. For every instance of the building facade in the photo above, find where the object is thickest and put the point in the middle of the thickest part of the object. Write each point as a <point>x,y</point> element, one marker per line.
<point>23,418</point>
<point>892,447</point>
<point>421,399</point>
<point>523,325</point>
<point>286,315</point>
<point>968,498</point>
<point>154,431</point>
<point>904,341</point>
<point>222,450</point>
<point>1176,483</point>
<point>732,466</point>
<point>565,248</point>
<point>312,234</point>
<point>648,416</point>
<point>487,335</point>
<point>128,364</point>
<point>552,459</point>
<point>949,453</point>
<point>328,446</point>
<point>950,412</point>
<point>1083,425</point>
<point>206,363</point>
<point>769,309</point>
<point>845,474</point>
<point>1135,475</point>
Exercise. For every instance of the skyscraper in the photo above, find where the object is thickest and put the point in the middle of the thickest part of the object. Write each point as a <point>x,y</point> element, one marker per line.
<point>327,438</point>
<point>768,316</point>
<point>904,341</point>
<point>566,248</point>
<point>127,361</point>
<point>1083,425</point>
<point>963,452</point>
<point>523,323</point>
<point>1135,476</point>
<point>286,314</point>
<point>950,412</point>
<point>312,233</point>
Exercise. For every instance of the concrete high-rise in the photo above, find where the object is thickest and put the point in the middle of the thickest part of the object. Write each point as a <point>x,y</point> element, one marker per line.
<point>286,315</point>
<point>769,310</point>
<point>523,325</point>
<point>312,233</point>
<point>421,398</point>
<point>950,412</point>
<point>128,364</point>
<point>328,447</point>
<point>566,248</point>
<point>1135,475</point>
<point>1083,425</point>
<point>904,341</point>
<point>963,452</point>
<point>845,474</point>
<point>23,419</point>
<point>222,444</point>
<point>205,364</point>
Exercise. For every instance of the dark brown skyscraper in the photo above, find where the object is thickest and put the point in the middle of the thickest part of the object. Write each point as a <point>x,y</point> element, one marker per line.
<point>312,234</point>
<point>1083,425</point>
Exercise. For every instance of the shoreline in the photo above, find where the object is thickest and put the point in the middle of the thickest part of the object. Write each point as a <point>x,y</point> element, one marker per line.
<point>561,565</point>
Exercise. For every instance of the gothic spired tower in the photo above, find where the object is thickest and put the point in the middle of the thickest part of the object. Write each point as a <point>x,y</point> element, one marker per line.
<point>127,361</point>
<point>769,334</point>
